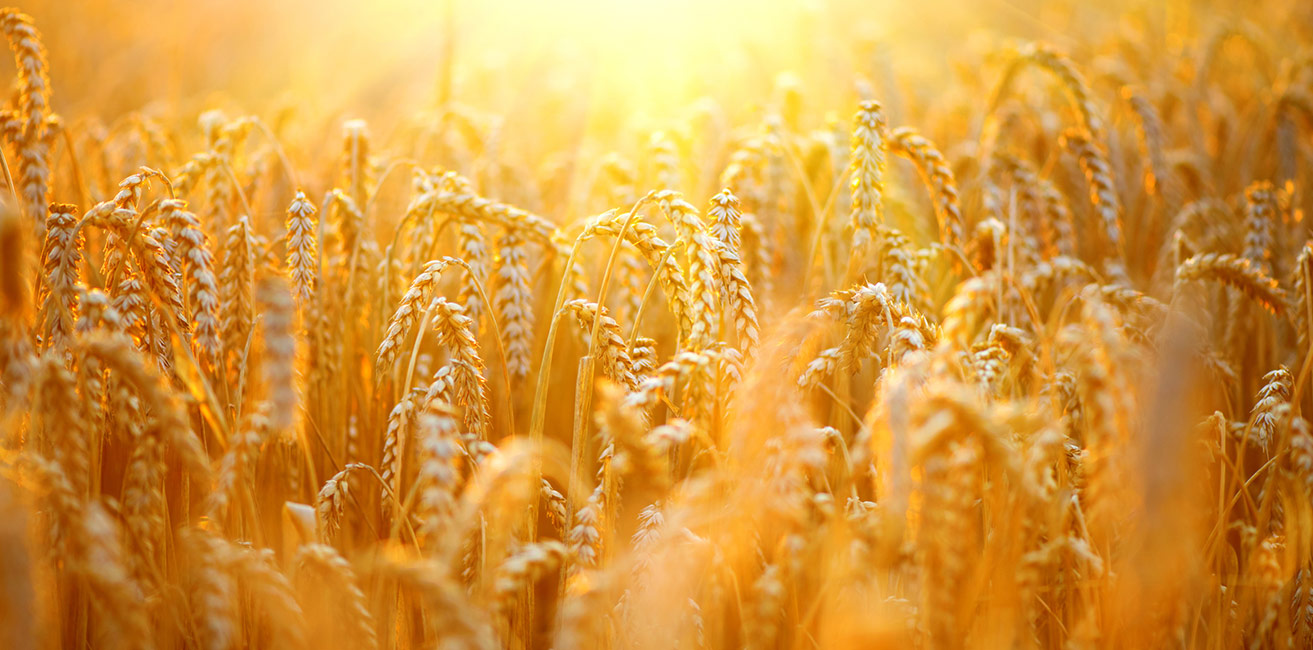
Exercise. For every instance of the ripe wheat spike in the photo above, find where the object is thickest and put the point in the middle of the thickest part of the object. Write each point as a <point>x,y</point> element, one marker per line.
<point>635,326</point>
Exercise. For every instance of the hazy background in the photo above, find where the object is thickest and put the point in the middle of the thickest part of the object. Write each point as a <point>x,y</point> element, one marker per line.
<point>367,56</point>
<point>558,74</point>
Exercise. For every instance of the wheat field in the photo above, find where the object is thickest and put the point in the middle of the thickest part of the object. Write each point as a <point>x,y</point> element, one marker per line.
<point>608,325</point>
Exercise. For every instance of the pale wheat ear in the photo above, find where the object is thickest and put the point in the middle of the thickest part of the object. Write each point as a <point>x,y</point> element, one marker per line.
<point>1103,193</point>
<point>1237,272</point>
<point>1157,176</point>
<point>455,331</point>
<point>331,502</point>
<point>474,251</point>
<point>236,288</point>
<point>34,111</point>
<point>939,178</point>
<point>513,303</point>
<point>701,270</point>
<point>105,561</point>
<point>193,253</point>
<point>319,566</point>
<point>61,274</point>
<point>867,162</point>
<point>666,271</point>
<point>611,348</point>
<point>526,565</point>
<point>302,248</point>
<point>280,349</point>
<point>663,162</point>
<point>406,315</point>
<point>1061,66</point>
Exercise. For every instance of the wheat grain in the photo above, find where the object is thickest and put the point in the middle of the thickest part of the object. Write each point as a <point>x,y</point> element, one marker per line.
<point>326,564</point>
<point>1103,193</point>
<point>34,109</point>
<point>407,314</point>
<point>65,431</point>
<point>61,264</point>
<point>330,504</point>
<point>302,248</point>
<point>1237,272</point>
<point>280,348</point>
<point>657,253</point>
<point>167,420</point>
<point>703,280</point>
<point>236,286</point>
<point>1080,94</point>
<point>614,354</point>
<point>1260,217</point>
<point>512,303</point>
<point>869,143</point>
<point>438,473</point>
<point>104,567</point>
<point>524,567</point>
<point>197,262</point>
<point>213,593</point>
<point>938,177</point>
<point>256,573</point>
<point>456,331</point>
